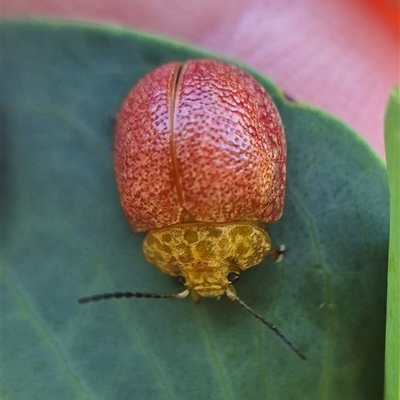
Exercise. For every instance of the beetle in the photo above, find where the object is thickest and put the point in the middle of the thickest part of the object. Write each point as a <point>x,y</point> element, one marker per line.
<point>200,163</point>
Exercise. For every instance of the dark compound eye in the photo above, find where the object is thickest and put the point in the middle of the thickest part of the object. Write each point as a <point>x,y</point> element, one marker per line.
<point>233,277</point>
<point>180,280</point>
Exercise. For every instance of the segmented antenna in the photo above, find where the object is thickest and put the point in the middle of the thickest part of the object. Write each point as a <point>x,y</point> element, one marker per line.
<point>127,295</point>
<point>233,296</point>
<point>230,292</point>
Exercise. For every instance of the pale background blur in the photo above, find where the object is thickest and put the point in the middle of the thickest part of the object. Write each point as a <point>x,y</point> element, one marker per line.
<point>341,55</point>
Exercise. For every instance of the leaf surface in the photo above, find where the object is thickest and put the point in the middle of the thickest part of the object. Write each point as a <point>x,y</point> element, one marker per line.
<point>64,236</point>
<point>392,145</point>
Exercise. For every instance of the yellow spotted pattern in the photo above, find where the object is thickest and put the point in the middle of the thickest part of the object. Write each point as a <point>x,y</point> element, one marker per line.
<point>204,253</point>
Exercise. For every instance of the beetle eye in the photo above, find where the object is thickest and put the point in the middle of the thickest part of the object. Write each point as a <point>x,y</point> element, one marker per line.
<point>181,280</point>
<point>233,277</point>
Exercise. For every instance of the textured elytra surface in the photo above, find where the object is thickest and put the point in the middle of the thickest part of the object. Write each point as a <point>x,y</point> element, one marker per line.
<point>204,253</point>
<point>64,236</point>
<point>206,133</point>
<point>142,155</point>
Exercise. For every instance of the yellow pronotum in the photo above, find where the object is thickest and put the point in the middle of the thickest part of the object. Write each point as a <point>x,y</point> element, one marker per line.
<point>205,253</point>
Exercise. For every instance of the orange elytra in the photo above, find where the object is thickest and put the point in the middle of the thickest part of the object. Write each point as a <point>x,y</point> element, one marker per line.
<point>200,163</point>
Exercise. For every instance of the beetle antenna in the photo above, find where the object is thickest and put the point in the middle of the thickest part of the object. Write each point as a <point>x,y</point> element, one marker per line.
<point>233,296</point>
<point>127,295</point>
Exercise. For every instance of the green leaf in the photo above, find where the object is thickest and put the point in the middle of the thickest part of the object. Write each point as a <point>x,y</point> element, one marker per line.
<point>64,236</point>
<point>392,144</point>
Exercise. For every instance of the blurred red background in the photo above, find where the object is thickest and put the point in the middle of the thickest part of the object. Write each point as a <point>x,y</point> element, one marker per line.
<point>340,55</point>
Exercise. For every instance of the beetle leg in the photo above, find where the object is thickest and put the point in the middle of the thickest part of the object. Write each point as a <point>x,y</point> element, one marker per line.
<point>277,253</point>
